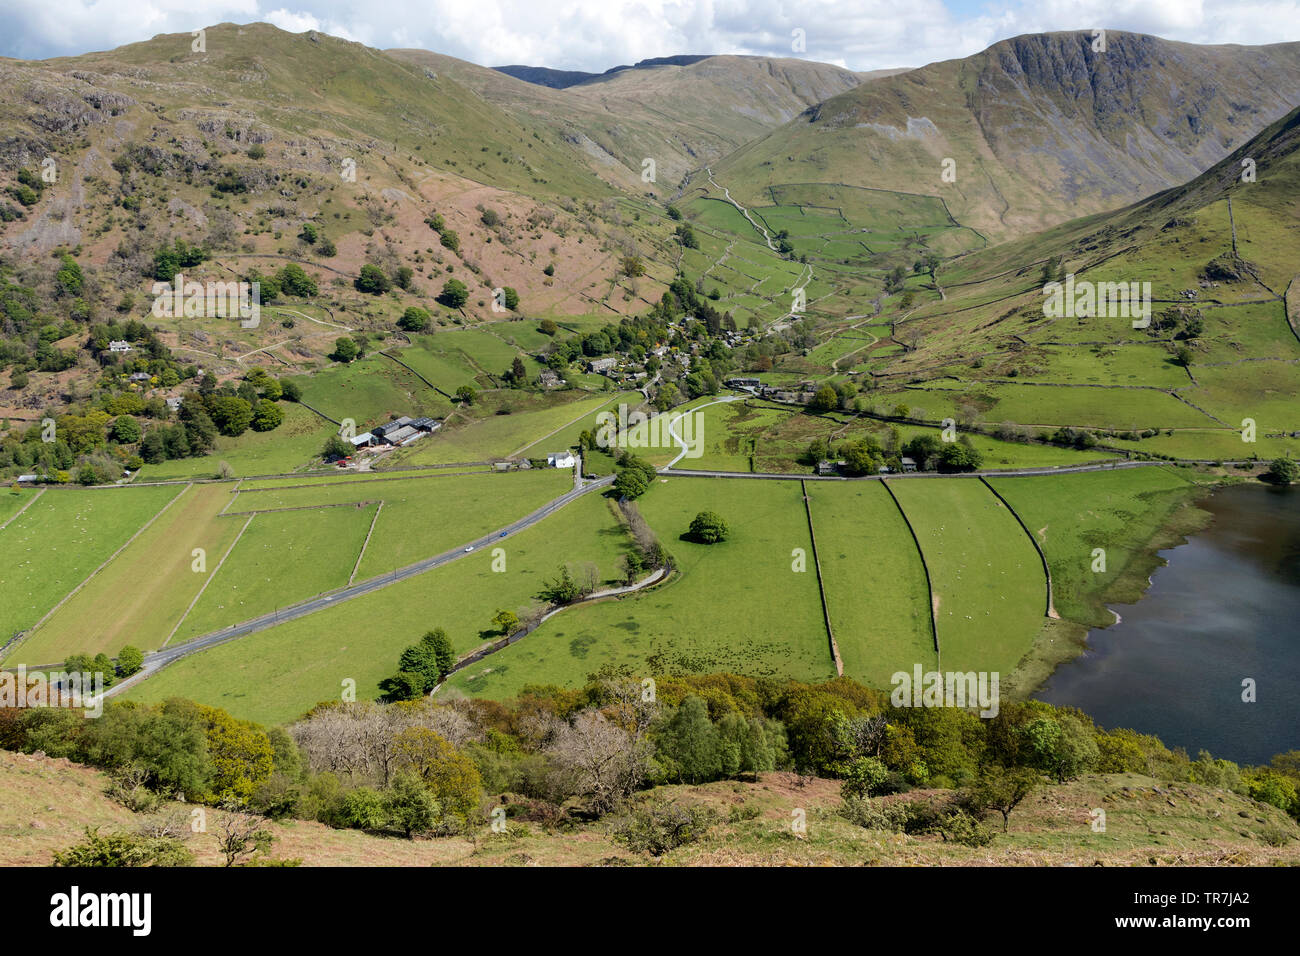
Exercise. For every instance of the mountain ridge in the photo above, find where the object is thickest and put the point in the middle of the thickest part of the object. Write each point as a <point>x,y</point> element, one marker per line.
<point>1040,127</point>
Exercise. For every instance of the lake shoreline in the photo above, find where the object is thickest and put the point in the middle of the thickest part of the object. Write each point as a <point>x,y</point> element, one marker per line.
<point>1061,641</point>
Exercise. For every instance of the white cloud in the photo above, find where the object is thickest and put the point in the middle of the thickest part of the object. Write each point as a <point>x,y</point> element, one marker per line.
<point>597,34</point>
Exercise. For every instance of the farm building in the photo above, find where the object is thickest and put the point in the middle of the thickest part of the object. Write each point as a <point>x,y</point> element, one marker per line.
<point>742,383</point>
<point>383,431</point>
<point>561,459</point>
<point>404,430</point>
<point>363,440</point>
<point>550,379</point>
<point>404,435</point>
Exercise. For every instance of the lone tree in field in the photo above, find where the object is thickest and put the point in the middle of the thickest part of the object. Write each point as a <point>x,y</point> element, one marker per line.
<point>708,528</point>
<point>345,350</point>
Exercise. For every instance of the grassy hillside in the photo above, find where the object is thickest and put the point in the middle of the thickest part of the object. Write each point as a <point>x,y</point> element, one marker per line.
<point>46,804</point>
<point>679,116</point>
<point>1041,127</point>
<point>1218,354</point>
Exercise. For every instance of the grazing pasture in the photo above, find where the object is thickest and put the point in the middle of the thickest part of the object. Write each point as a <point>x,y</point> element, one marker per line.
<point>875,583</point>
<point>61,539</point>
<point>281,557</point>
<point>738,605</point>
<point>1119,512</point>
<point>144,593</point>
<point>988,583</point>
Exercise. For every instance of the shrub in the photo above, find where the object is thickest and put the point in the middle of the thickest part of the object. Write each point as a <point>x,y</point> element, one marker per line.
<point>657,828</point>
<point>373,280</point>
<point>1282,471</point>
<point>123,849</point>
<point>361,809</point>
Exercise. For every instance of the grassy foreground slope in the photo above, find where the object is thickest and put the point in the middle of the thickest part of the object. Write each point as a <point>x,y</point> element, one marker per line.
<point>46,803</point>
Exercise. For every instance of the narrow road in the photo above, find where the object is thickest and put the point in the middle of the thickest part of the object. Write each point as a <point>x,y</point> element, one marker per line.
<point>157,660</point>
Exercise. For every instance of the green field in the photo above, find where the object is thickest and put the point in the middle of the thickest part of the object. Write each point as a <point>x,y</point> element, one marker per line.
<point>143,594</point>
<point>276,675</point>
<point>11,501</point>
<point>1117,511</point>
<point>52,546</point>
<point>989,589</point>
<point>875,584</point>
<point>281,558</point>
<point>371,391</point>
<point>736,606</point>
<point>423,516</point>
<point>1082,406</point>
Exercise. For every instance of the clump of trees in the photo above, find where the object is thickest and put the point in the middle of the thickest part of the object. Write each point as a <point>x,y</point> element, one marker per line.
<point>454,294</point>
<point>635,475</point>
<point>421,667</point>
<point>129,429</point>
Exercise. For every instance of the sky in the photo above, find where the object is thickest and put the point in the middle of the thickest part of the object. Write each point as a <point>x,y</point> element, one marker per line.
<point>594,35</point>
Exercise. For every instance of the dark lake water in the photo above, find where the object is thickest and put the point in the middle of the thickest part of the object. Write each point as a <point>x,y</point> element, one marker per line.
<point>1226,607</point>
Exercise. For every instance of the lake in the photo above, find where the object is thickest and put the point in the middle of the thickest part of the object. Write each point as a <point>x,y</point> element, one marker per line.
<point>1225,608</point>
